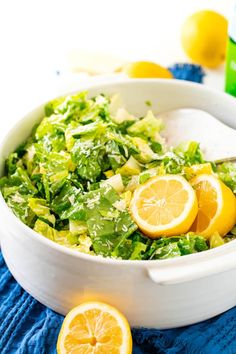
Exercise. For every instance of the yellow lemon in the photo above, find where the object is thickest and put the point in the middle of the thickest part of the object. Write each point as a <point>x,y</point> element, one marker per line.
<point>216,206</point>
<point>146,69</point>
<point>164,206</point>
<point>204,38</point>
<point>94,328</point>
<point>199,169</point>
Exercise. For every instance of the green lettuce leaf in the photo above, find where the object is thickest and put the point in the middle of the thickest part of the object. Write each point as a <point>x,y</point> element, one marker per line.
<point>227,173</point>
<point>39,207</point>
<point>18,203</point>
<point>175,246</point>
<point>148,127</point>
<point>88,156</point>
<point>108,226</point>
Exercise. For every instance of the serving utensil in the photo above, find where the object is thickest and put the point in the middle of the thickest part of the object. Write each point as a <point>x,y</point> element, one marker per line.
<point>226,159</point>
<point>217,140</point>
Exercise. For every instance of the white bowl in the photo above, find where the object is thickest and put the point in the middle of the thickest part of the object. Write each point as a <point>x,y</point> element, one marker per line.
<point>162,294</point>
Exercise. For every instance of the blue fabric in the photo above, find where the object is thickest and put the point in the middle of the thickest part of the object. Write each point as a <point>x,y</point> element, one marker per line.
<point>27,327</point>
<point>188,72</point>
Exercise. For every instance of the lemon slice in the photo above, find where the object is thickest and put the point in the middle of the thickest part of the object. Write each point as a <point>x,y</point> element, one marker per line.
<point>94,327</point>
<point>164,206</point>
<point>217,206</point>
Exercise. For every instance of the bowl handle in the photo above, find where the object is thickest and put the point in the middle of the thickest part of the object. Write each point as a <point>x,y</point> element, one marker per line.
<point>168,275</point>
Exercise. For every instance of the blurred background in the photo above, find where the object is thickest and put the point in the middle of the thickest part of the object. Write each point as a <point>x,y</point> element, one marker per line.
<point>45,43</point>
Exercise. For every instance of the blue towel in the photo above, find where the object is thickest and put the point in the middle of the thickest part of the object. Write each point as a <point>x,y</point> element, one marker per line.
<point>27,327</point>
<point>188,72</point>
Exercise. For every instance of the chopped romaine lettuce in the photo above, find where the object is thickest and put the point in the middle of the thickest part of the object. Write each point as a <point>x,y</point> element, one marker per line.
<point>145,153</point>
<point>148,127</point>
<point>114,155</point>
<point>116,182</point>
<point>216,240</point>
<point>19,204</point>
<point>130,168</point>
<point>66,198</point>
<point>108,226</point>
<point>39,207</point>
<point>77,227</point>
<point>190,152</point>
<point>73,179</point>
<point>88,155</point>
<point>227,173</point>
<point>177,246</point>
<point>80,243</point>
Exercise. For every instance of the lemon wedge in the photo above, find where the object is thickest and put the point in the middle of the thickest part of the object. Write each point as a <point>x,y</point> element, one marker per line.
<point>216,206</point>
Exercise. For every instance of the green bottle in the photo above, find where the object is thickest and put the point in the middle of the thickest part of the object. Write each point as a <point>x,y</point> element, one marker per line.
<point>230,78</point>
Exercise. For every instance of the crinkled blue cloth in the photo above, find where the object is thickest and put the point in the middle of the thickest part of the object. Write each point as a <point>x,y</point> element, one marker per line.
<point>188,72</point>
<point>27,327</point>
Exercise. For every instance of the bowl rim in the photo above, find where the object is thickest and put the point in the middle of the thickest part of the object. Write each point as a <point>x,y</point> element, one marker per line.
<point>210,254</point>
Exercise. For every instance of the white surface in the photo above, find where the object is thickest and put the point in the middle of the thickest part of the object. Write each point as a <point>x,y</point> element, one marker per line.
<point>61,278</point>
<point>37,35</point>
<point>194,125</point>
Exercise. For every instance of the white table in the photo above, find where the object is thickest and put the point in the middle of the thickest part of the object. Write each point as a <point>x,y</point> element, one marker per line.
<point>36,36</point>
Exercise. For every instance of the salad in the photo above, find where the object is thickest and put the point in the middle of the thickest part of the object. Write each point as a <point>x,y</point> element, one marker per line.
<point>75,178</point>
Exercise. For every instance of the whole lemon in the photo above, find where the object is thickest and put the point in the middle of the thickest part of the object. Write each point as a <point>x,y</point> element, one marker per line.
<point>146,69</point>
<point>204,38</point>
